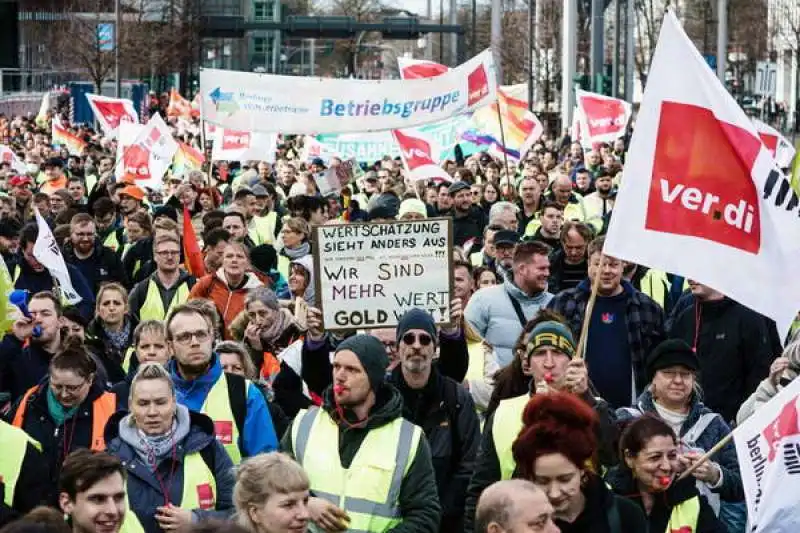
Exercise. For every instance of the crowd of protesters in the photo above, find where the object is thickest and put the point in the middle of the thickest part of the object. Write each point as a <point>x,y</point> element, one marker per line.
<point>170,398</point>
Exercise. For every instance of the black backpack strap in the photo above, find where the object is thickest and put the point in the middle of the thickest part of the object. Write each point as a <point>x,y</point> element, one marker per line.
<point>209,458</point>
<point>518,310</point>
<point>237,396</point>
<point>452,406</point>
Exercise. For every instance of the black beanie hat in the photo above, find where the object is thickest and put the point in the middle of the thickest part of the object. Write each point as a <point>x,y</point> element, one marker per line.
<point>416,319</point>
<point>372,355</point>
<point>671,352</point>
<point>264,258</point>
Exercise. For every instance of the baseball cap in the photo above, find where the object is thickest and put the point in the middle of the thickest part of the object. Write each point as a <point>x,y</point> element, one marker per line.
<point>133,191</point>
<point>18,181</point>
<point>457,187</point>
<point>506,237</point>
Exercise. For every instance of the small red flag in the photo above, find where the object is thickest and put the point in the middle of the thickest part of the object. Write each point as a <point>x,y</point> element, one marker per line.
<point>193,257</point>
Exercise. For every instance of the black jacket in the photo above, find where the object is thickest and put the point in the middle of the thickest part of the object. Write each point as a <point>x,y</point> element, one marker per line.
<point>604,511</point>
<point>487,464</point>
<point>31,488</point>
<point>103,266</point>
<point>446,413</point>
<point>138,261</point>
<point>111,358</point>
<point>418,501</point>
<point>21,366</point>
<point>469,227</point>
<point>734,349</point>
<point>57,441</point>
<point>557,281</point>
<point>622,483</point>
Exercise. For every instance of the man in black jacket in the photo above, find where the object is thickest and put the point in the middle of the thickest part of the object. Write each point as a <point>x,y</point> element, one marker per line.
<point>732,343</point>
<point>468,219</point>
<point>442,408</point>
<point>97,263</point>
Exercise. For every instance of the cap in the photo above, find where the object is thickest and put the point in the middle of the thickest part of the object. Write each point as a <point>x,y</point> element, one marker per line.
<point>18,181</point>
<point>413,205</point>
<point>671,352</point>
<point>553,334</point>
<point>318,161</point>
<point>416,319</point>
<point>259,191</point>
<point>457,187</point>
<point>506,237</point>
<point>133,191</point>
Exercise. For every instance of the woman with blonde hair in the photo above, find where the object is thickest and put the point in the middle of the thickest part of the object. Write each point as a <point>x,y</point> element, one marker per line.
<point>271,495</point>
<point>110,333</point>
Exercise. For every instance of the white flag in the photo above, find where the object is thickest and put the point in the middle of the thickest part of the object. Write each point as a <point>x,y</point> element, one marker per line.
<point>781,149</point>
<point>148,157</point>
<point>231,145</point>
<point>703,197</point>
<point>603,118</point>
<point>47,252</point>
<point>110,112</point>
<point>768,447</point>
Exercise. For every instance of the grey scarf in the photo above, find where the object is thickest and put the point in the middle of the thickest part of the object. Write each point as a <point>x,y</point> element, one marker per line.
<point>300,251</point>
<point>152,449</point>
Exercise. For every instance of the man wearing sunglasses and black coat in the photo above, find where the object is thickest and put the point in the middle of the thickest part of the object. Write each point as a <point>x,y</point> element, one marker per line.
<point>442,408</point>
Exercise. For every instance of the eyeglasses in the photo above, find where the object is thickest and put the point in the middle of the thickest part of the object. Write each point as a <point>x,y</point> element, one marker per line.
<point>423,338</point>
<point>201,335</point>
<point>68,389</point>
<point>168,253</point>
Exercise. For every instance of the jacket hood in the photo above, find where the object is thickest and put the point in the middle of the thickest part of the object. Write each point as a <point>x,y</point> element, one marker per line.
<point>646,404</point>
<point>509,285</point>
<point>307,262</point>
<point>388,406</point>
<point>201,434</point>
<point>251,280</point>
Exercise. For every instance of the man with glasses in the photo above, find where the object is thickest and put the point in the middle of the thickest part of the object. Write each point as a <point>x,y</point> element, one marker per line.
<point>442,408</point>
<point>167,287</point>
<point>242,422</point>
<point>97,263</point>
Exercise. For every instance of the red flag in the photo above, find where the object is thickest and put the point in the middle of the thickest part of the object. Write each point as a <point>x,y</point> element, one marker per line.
<point>193,257</point>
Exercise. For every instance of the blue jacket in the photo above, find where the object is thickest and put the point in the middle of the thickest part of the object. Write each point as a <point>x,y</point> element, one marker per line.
<point>144,489</point>
<point>34,282</point>
<point>731,489</point>
<point>258,434</point>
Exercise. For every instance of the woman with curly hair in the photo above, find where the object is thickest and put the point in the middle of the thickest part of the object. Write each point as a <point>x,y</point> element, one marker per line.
<point>556,450</point>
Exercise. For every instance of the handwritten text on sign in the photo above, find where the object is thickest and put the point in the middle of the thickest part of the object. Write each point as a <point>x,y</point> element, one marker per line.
<point>370,274</point>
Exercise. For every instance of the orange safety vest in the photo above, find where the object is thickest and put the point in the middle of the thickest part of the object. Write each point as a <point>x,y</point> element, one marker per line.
<point>102,409</point>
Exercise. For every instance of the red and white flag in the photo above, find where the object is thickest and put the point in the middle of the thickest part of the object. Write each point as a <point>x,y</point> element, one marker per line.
<point>7,155</point>
<point>411,69</point>
<point>768,447</point>
<point>602,118</point>
<point>706,200</point>
<point>144,161</point>
<point>780,147</point>
<point>232,145</point>
<point>180,106</point>
<point>109,112</point>
<point>416,151</point>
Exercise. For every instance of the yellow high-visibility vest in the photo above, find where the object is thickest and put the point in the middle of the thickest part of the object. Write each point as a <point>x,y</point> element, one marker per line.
<point>263,229</point>
<point>505,429</point>
<point>153,307</point>
<point>199,492</point>
<point>15,445</point>
<point>655,284</point>
<point>477,361</point>
<point>126,361</point>
<point>684,516</point>
<point>283,266</point>
<point>369,490</point>
<point>476,258</point>
<point>112,242</point>
<point>218,408</point>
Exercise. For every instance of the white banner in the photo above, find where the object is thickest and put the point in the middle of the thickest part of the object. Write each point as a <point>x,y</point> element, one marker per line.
<point>48,253</point>
<point>369,275</point>
<point>289,104</point>
<point>110,112</point>
<point>232,145</point>
<point>768,448</point>
<point>707,201</point>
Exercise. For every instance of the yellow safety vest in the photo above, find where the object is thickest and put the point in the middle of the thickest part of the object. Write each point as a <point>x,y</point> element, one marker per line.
<point>369,490</point>
<point>90,183</point>
<point>477,361</point>
<point>153,307</point>
<point>655,284</point>
<point>126,361</point>
<point>199,492</point>
<point>15,445</point>
<point>476,259</point>
<point>795,327</point>
<point>263,229</point>
<point>111,241</point>
<point>684,516</point>
<point>283,266</point>
<point>218,408</point>
<point>505,429</point>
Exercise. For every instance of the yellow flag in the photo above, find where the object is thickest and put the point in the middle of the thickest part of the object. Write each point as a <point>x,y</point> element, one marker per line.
<point>6,286</point>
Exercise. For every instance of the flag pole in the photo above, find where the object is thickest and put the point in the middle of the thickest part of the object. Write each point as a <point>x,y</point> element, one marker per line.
<point>502,137</point>
<point>580,353</point>
<point>706,456</point>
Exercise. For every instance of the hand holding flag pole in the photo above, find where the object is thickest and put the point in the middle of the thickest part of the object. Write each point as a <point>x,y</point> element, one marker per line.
<point>580,353</point>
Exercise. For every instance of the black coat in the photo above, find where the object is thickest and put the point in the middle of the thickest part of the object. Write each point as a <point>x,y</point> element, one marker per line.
<point>57,441</point>
<point>21,366</point>
<point>446,413</point>
<point>103,266</point>
<point>734,349</point>
<point>32,485</point>
<point>469,227</point>
<point>598,513</point>
<point>110,357</point>
<point>622,483</point>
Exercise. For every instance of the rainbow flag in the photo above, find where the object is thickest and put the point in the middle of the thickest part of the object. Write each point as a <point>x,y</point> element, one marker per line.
<point>61,136</point>
<point>187,158</point>
<point>521,128</point>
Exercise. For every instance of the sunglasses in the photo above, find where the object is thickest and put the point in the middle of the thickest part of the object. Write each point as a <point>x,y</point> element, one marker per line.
<point>411,338</point>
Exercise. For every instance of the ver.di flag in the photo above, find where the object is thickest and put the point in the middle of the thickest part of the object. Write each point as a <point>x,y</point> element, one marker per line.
<point>233,145</point>
<point>768,448</point>
<point>780,147</point>
<point>708,202</point>
<point>412,69</point>
<point>145,160</point>
<point>47,252</point>
<point>602,118</point>
<point>417,152</point>
<point>110,112</point>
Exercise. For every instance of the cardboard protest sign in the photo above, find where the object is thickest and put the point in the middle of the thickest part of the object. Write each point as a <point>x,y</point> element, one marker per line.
<point>370,274</point>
